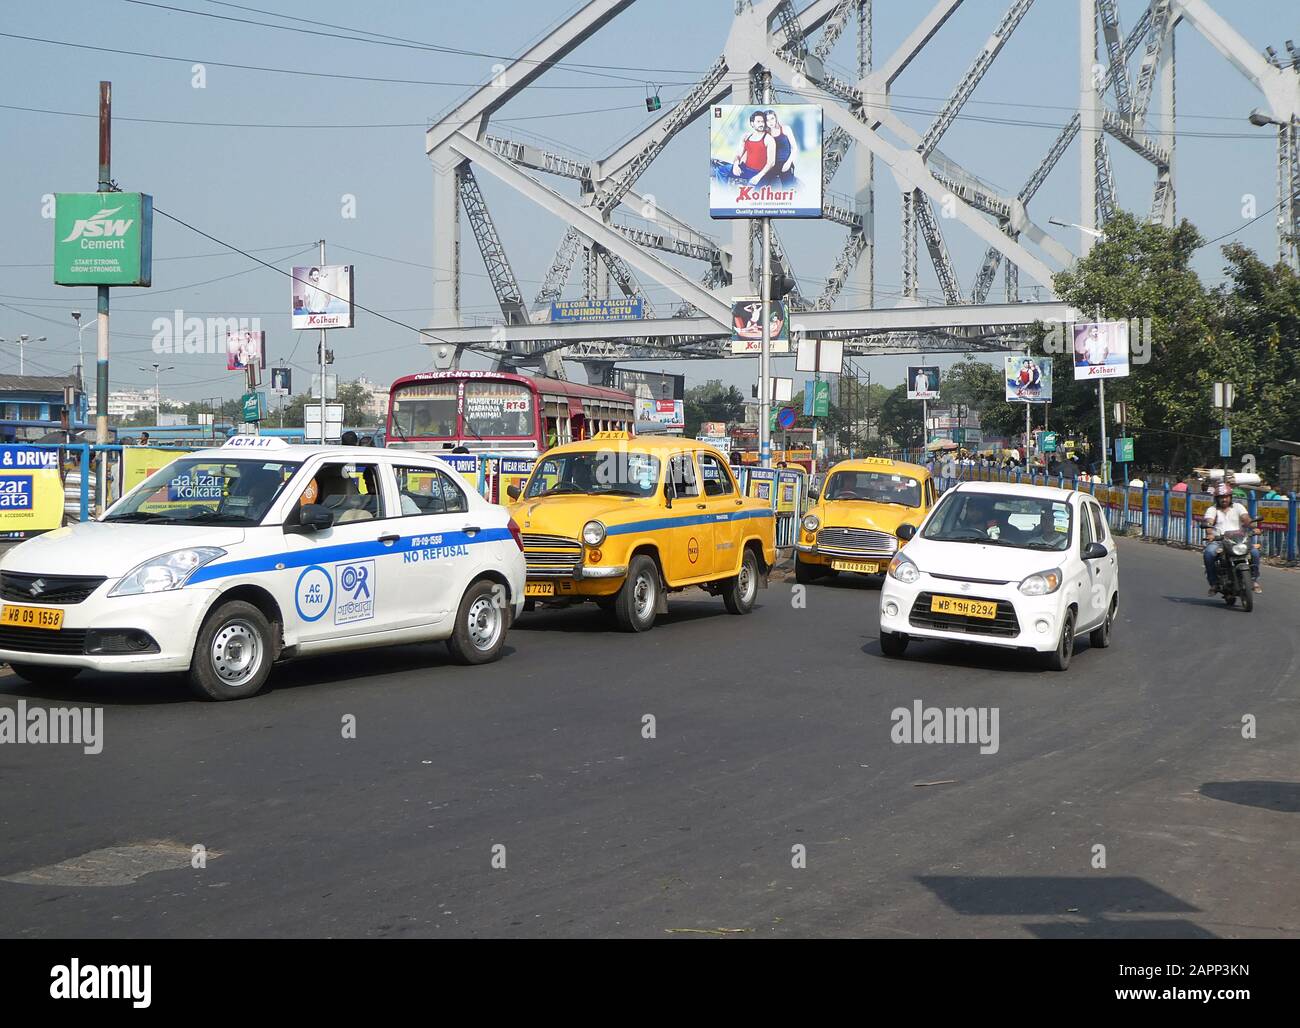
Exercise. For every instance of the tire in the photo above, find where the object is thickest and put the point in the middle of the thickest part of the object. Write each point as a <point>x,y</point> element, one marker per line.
<point>481,625</point>
<point>635,604</point>
<point>1059,659</point>
<point>1099,638</point>
<point>739,593</point>
<point>1244,586</point>
<point>45,674</point>
<point>893,644</point>
<point>805,573</point>
<point>1231,601</point>
<point>233,653</point>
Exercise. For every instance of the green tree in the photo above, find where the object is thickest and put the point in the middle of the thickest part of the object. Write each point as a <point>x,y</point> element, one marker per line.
<point>712,401</point>
<point>979,386</point>
<point>900,418</point>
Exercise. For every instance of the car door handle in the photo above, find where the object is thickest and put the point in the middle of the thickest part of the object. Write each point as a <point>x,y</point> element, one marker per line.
<point>740,503</point>
<point>471,529</point>
<point>388,540</point>
<point>701,506</point>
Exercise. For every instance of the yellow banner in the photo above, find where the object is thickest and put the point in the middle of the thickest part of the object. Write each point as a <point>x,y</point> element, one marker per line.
<point>30,500</point>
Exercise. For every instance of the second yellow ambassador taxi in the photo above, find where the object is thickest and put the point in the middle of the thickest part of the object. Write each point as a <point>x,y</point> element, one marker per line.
<point>623,520</point>
<point>852,523</point>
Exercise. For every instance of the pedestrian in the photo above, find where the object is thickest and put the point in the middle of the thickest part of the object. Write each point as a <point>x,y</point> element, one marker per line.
<point>144,439</point>
<point>349,438</point>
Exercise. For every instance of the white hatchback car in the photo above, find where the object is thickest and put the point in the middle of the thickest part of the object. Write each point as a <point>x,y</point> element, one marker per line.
<point>1017,566</point>
<point>229,559</point>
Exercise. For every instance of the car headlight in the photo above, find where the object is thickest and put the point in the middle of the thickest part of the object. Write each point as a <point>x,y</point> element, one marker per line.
<point>903,569</point>
<point>1239,549</point>
<point>1042,583</point>
<point>811,522</point>
<point>170,571</point>
<point>593,533</point>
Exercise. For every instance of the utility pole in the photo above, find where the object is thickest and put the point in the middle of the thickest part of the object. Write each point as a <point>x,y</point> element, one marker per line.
<point>101,303</point>
<point>323,366</point>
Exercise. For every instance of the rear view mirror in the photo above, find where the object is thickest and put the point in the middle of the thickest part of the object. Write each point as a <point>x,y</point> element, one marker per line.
<point>905,532</point>
<point>512,490</point>
<point>1094,551</point>
<point>814,494</point>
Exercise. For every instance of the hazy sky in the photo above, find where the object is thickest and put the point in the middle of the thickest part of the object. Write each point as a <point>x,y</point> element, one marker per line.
<point>263,159</point>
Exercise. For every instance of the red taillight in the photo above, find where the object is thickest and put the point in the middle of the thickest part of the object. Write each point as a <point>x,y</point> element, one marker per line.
<point>514,534</point>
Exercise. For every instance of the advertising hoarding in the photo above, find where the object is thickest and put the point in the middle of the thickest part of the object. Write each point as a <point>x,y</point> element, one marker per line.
<point>103,239</point>
<point>1101,350</point>
<point>923,382</point>
<point>322,296</point>
<point>747,326</point>
<point>765,161</point>
<point>625,309</point>
<point>244,349</point>
<point>1028,379</point>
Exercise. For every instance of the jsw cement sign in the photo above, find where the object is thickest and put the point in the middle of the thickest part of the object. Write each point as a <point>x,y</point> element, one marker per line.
<point>103,239</point>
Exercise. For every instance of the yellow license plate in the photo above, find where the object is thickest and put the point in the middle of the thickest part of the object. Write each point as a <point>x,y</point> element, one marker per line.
<point>862,567</point>
<point>967,608</point>
<point>539,589</point>
<point>31,617</point>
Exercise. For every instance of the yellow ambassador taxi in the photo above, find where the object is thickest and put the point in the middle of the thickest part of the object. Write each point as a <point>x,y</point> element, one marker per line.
<point>623,520</point>
<point>852,522</point>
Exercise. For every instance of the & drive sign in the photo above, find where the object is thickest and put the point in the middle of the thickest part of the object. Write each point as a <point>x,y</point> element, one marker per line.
<point>103,239</point>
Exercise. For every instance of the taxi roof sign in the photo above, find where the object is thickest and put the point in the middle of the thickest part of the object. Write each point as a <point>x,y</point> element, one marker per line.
<point>255,442</point>
<point>612,435</point>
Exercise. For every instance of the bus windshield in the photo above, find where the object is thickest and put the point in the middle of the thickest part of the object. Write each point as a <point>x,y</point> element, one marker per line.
<point>424,410</point>
<point>498,409</point>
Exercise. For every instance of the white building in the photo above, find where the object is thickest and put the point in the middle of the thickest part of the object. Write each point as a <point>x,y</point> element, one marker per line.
<point>377,404</point>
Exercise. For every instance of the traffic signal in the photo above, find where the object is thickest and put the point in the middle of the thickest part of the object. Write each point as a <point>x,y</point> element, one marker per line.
<point>780,285</point>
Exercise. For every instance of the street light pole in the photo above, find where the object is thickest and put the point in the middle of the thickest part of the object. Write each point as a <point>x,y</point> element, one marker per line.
<point>158,369</point>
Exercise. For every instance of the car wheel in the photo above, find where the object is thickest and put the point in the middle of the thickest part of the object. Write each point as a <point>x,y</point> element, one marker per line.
<point>1247,593</point>
<point>1099,638</point>
<point>739,593</point>
<point>893,644</point>
<point>637,600</point>
<point>233,653</point>
<point>805,573</point>
<point>1231,601</point>
<point>1059,659</point>
<point>45,674</point>
<point>481,623</point>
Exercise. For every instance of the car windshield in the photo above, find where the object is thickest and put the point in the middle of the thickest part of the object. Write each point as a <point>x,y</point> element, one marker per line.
<point>1022,522</point>
<point>875,486</point>
<point>208,492</point>
<point>595,472</point>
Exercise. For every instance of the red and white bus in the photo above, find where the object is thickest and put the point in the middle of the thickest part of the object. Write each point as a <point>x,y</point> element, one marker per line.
<point>499,412</point>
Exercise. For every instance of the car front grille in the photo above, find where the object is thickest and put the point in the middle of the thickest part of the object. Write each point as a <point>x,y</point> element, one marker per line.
<point>551,556</point>
<point>35,640</point>
<point>1005,624</point>
<point>47,588</point>
<point>855,542</point>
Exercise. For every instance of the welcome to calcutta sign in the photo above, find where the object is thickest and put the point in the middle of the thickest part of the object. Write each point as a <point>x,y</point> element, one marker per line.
<point>103,239</point>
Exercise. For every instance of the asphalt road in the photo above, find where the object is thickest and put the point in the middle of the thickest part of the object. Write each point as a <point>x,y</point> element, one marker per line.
<point>771,731</point>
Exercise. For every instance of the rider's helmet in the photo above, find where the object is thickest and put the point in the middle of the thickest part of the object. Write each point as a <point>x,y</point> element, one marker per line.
<point>1221,492</point>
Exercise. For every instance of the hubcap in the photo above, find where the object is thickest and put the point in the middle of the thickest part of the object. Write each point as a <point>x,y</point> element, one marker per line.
<point>746,581</point>
<point>643,595</point>
<point>236,653</point>
<point>484,623</point>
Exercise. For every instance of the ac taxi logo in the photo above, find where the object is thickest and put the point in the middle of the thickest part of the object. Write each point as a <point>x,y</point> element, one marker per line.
<point>314,593</point>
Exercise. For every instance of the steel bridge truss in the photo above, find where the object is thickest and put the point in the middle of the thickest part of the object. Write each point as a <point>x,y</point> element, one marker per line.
<point>625,238</point>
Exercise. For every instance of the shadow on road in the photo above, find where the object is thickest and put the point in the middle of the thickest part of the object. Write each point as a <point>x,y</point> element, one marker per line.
<point>1283,796</point>
<point>967,655</point>
<point>588,618</point>
<point>1090,903</point>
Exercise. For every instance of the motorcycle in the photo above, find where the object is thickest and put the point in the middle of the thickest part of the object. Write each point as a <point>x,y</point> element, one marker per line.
<point>1233,566</point>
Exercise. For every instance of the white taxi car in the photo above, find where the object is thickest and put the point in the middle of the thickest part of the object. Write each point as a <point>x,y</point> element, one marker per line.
<point>1017,566</point>
<point>230,559</point>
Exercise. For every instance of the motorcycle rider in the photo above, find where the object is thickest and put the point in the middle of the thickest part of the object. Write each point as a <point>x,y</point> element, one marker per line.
<point>1227,516</point>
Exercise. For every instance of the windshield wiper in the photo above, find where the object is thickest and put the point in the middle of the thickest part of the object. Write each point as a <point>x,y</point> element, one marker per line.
<point>210,515</point>
<point>622,492</point>
<point>1043,546</point>
<point>137,515</point>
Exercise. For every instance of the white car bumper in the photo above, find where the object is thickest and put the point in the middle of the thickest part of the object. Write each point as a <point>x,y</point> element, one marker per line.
<point>150,633</point>
<point>1032,622</point>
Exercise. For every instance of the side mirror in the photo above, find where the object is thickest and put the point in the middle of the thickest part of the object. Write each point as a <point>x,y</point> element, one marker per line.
<point>512,490</point>
<point>905,532</point>
<point>670,491</point>
<point>314,518</point>
<point>814,494</point>
<point>1094,551</point>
